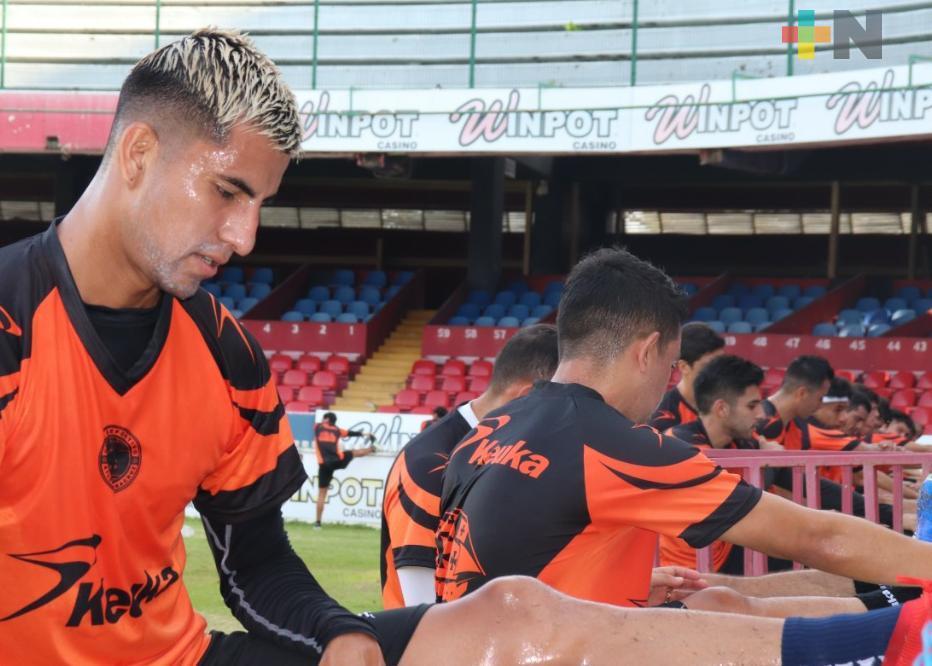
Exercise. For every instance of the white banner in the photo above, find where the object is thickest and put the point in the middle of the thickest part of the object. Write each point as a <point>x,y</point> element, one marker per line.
<point>819,108</point>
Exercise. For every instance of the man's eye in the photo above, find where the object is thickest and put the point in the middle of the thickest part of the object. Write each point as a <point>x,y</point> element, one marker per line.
<point>225,194</point>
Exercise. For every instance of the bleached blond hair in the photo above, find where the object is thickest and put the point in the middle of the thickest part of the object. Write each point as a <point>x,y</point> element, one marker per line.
<point>215,80</point>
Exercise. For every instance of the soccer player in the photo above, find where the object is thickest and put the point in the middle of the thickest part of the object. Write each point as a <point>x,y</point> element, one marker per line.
<point>411,504</point>
<point>331,456</point>
<point>564,485</point>
<point>437,413</point>
<point>699,344</point>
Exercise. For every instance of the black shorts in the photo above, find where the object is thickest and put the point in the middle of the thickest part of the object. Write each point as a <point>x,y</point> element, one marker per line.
<point>326,470</point>
<point>393,628</point>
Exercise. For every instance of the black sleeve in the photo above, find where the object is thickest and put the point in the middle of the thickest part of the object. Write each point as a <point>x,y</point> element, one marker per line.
<point>662,420</point>
<point>354,433</point>
<point>270,590</point>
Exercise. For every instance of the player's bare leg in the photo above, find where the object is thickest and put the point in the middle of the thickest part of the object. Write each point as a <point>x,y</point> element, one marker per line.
<point>803,583</point>
<point>321,499</point>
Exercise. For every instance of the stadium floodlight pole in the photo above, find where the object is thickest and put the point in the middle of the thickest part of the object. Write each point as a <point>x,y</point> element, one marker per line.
<point>158,21</point>
<point>3,49</point>
<point>790,20</point>
<point>634,43</point>
<point>314,47</point>
<point>472,44</point>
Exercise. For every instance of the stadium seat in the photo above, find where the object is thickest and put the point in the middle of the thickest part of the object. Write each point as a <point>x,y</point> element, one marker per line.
<point>262,275</point>
<point>894,304</point>
<point>235,291</point>
<point>325,380</point>
<point>338,365</point>
<point>553,298</point>
<point>530,299</point>
<point>484,322</point>
<point>478,384</point>
<point>852,331</point>
<point>319,294</point>
<point>227,302</point>
<point>212,288</point>
<point>519,311</point>
<point>464,397</point>
<point>757,316</point>
<point>731,315</point>
<point>723,301</point>
<point>332,308</point>
<point>495,311</point>
<point>388,409</point>
<point>774,376</point>
<point>509,322</point>
<point>717,326</point>
<point>740,289</point>
<point>775,303</point>
<point>369,295</point>
<point>280,363</point>
<point>293,316</point>
<point>924,381</point>
<point>407,399</point>
<point>903,399</point>
<point>453,385</point>
<point>422,410</point>
<point>705,314</point>
<point>750,301</point>
<point>689,289</point>
<point>480,297</point>
<point>312,395</point>
<point>879,316</point>
<point>453,368</point>
<point>740,327</point>
<point>459,321</point>
<point>541,311</point>
<point>402,278</point>
<point>815,291</point>
<point>423,383</point>
<point>846,374</point>
<point>867,304</point>
<point>903,380</point>
<point>790,291</point>
<point>236,312</point>
<point>309,363</point>
<point>344,294</point>
<point>247,304</point>
<point>376,279</point>
<point>506,298</point>
<point>909,293</point>
<point>297,406</point>
<point>343,277</point>
<point>306,306</point>
<point>286,393</point>
<point>777,315</point>
<point>519,287</point>
<point>320,318</point>
<point>846,317</point>
<point>902,316</point>
<point>922,305</point>
<point>437,399</point>
<point>925,400</point>
<point>294,378</point>
<point>802,302</point>
<point>530,321</point>
<point>876,330</point>
<point>424,366</point>
<point>764,291</point>
<point>875,379</point>
<point>359,308</point>
<point>469,310</point>
<point>923,417</point>
<point>480,369</point>
<point>232,274</point>
<point>554,286</point>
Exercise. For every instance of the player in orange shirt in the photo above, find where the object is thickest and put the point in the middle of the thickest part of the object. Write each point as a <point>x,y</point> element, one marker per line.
<point>331,456</point>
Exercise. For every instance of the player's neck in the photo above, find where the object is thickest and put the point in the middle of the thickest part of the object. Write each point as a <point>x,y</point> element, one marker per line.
<point>624,396</point>
<point>719,437</point>
<point>102,271</point>
<point>784,406</point>
<point>686,390</point>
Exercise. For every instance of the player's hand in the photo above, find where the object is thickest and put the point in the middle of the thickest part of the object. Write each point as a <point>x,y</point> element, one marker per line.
<point>370,437</point>
<point>353,650</point>
<point>673,584</point>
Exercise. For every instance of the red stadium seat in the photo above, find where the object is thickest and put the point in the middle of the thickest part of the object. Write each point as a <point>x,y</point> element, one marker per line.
<point>465,396</point>
<point>312,395</point>
<point>309,363</point>
<point>294,378</point>
<point>903,398</point>
<point>424,367</point>
<point>281,363</point>
<point>297,407</point>
<point>480,369</point>
<point>338,365</point>
<point>325,380</point>
<point>774,376</point>
<point>884,392</point>
<point>423,409</point>
<point>479,384</point>
<point>437,399</point>
<point>925,400</point>
<point>903,380</point>
<point>389,409</point>
<point>876,379</point>
<point>423,383</point>
<point>922,416</point>
<point>846,374</point>
<point>407,399</point>
<point>453,384</point>
<point>925,381</point>
<point>286,393</point>
<point>454,368</point>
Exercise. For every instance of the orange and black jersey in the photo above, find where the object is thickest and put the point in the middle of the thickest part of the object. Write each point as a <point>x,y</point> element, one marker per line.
<point>411,505</point>
<point>816,436</point>
<point>560,486</point>
<point>771,427</point>
<point>672,411</point>
<point>327,438</point>
<point>98,464</point>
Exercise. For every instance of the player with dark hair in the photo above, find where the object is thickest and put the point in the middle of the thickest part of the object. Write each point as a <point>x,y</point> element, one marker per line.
<point>332,457</point>
<point>437,413</point>
<point>699,344</point>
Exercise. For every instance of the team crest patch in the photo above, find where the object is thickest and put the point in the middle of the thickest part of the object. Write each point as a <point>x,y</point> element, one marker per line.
<point>120,458</point>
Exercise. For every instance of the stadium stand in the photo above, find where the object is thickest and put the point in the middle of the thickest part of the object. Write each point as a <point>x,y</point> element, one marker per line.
<point>241,288</point>
<point>346,296</point>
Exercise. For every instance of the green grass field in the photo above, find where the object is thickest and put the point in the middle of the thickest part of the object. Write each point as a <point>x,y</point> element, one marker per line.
<point>344,559</point>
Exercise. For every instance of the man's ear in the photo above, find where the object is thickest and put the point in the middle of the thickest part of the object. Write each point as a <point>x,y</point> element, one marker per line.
<point>645,349</point>
<point>137,148</point>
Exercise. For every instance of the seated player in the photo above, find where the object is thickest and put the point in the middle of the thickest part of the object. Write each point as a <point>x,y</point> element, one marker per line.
<point>331,456</point>
<point>437,413</point>
<point>699,344</point>
<point>563,485</point>
<point>411,505</point>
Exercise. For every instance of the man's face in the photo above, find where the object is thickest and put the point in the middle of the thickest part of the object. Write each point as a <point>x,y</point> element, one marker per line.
<point>855,419</point>
<point>874,422</point>
<point>832,415</point>
<point>809,400</point>
<point>741,416</point>
<point>898,428</point>
<point>197,204</point>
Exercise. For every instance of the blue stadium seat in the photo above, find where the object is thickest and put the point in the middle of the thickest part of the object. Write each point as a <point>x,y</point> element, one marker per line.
<point>519,311</point>
<point>227,302</point>
<point>765,291</point>
<point>319,293</point>
<point>459,321</point>
<point>852,331</point>
<point>485,322</point>
<point>877,330</point>
<point>469,310</point>
<point>902,316</point>
<point>343,277</point>
<point>402,278</point>
<point>750,301</point>
<point>231,274</point>
<point>506,298</point>
<point>259,290</point>
<point>815,291</point>
<point>775,303</point>
<point>332,308</point>
<point>262,275</point>
<point>894,304</point>
<point>552,298</point>
<point>369,295</point>
<point>212,288</point>
<point>509,322</point>
<point>705,314</point>
<point>541,311</point>
<point>689,289</point>
<point>867,304</point>
<point>306,306</point>
<point>740,327</point>
<point>777,315</point>
<point>237,313</point>
<point>922,305</point>
<point>531,299</point>
<point>246,304</point>
<point>824,330</point>
<point>555,286</point>
<point>359,309</point>
<point>495,311</point>
<point>347,318</point>
<point>530,321</point>
<point>235,291</point>
<point>849,316</point>
<point>802,302</point>
<point>929,294</point>
<point>730,315</point>
<point>757,316</point>
<point>320,318</point>
<point>519,287</point>
<point>344,294</point>
<point>717,326</point>
<point>480,297</point>
<point>761,327</point>
<point>739,289</point>
<point>391,291</point>
<point>879,316</point>
<point>909,293</point>
<point>790,291</point>
<point>376,279</point>
<point>723,301</point>
<point>292,315</point>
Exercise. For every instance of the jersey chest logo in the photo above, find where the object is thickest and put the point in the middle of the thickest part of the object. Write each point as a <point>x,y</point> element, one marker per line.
<point>120,458</point>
